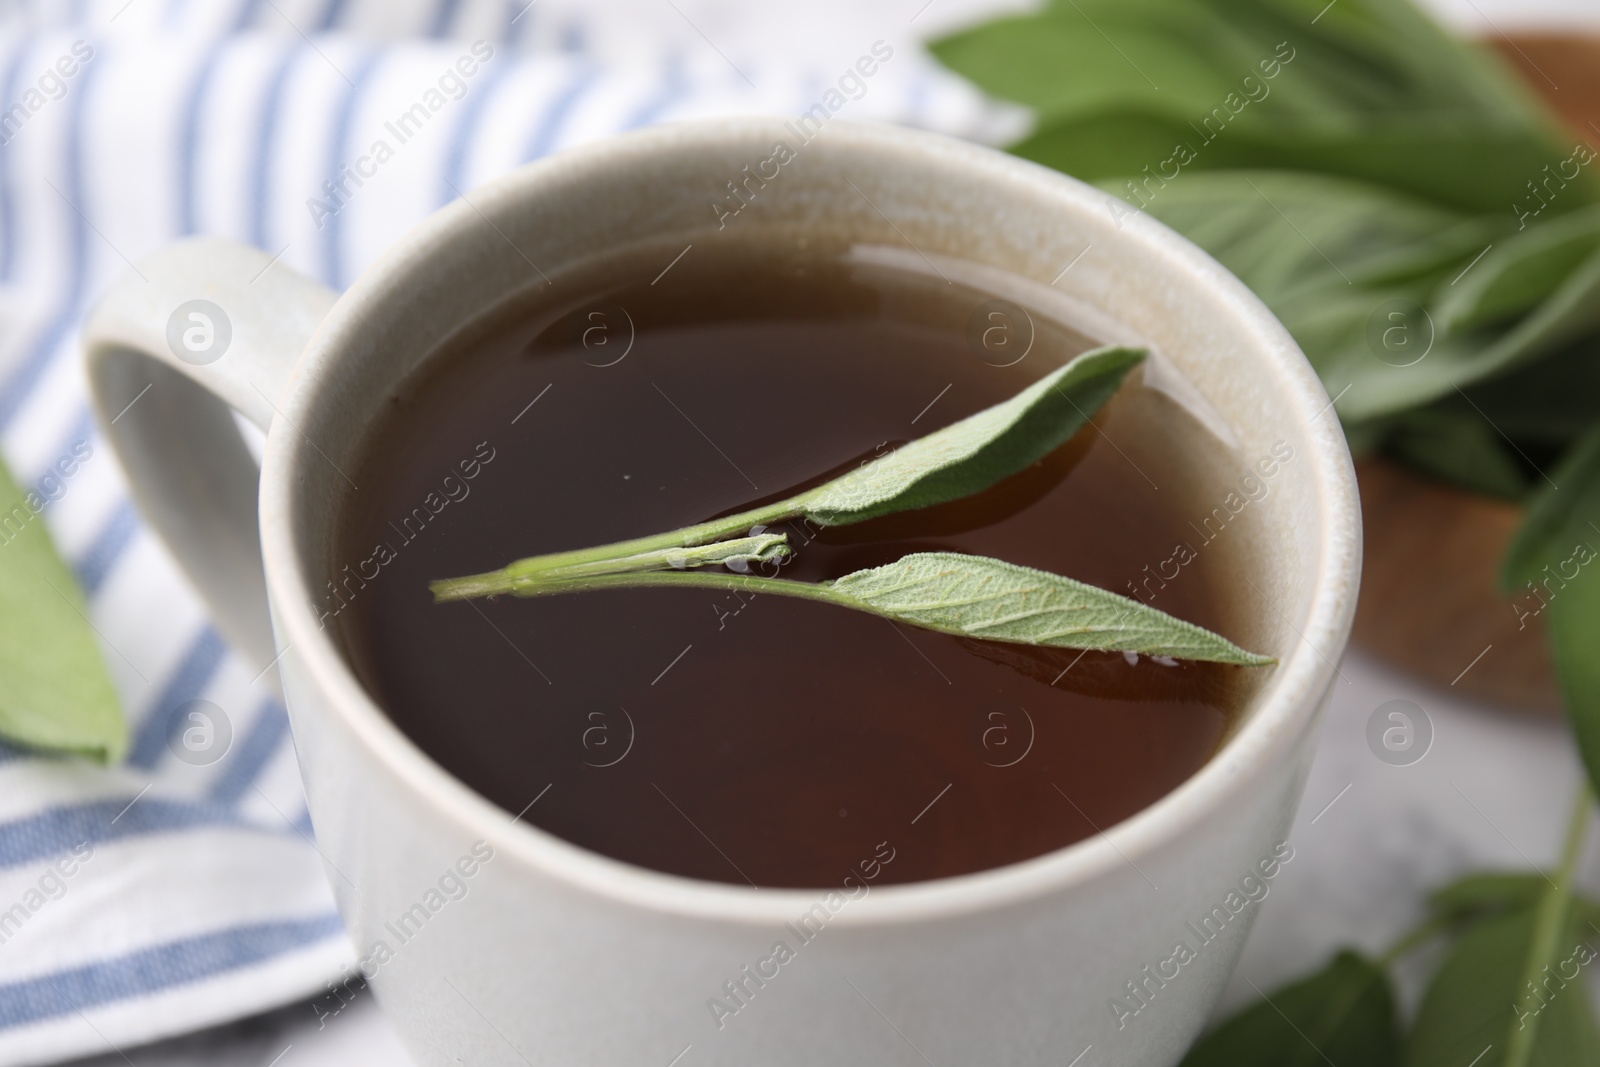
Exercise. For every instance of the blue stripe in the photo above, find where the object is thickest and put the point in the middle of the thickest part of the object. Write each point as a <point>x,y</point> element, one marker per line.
<point>332,15</point>
<point>27,375</point>
<point>97,561</point>
<point>81,430</point>
<point>8,204</point>
<point>189,144</point>
<point>303,825</point>
<point>243,766</point>
<point>546,134</point>
<point>444,18</point>
<point>332,230</point>
<point>519,16</point>
<point>917,101</point>
<point>261,173</point>
<point>52,831</point>
<point>194,673</point>
<point>247,15</point>
<point>675,86</point>
<point>455,160</point>
<point>573,38</point>
<point>174,963</point>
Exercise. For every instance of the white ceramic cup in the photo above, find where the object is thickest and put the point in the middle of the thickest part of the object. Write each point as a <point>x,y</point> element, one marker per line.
<point>557,955</point>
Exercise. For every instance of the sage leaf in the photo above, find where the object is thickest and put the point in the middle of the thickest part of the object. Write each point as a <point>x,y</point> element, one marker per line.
<point>54,689</point>
<point>1453,443</point>
<point>975,596</point>
<point>1520,271</point>
<point>1343,1015</point>
<point>1552,568</point>
<point>1474,168</point>
<point>1487,893</point>
<point>1476,1002</point>
<point>1328,254</point>
<point>1550,401</point>
<point>1371,89</point>
<point>1502,992</point>
<point>948,592</point>
<point>963,458</point>
<point>970,455</point>
<point>970,596</point>
<point>1574,624</point>
<point>1560,525</point>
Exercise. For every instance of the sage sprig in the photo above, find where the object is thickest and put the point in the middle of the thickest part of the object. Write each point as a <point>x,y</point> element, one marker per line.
<point>969,596</point>
<point>957,461</point>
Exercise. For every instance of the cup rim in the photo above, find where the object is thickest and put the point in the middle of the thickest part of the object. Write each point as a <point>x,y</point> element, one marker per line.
<point>1283,710</point>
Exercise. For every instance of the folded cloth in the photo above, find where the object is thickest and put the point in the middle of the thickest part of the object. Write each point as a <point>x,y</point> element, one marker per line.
<point>184,888</point>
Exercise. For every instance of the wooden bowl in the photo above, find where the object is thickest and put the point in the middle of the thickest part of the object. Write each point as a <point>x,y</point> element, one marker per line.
<point>1430,600</point>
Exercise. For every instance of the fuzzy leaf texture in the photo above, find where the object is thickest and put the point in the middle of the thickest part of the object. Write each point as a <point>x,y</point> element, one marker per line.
<point>975,596</point>
<point>970,455</point>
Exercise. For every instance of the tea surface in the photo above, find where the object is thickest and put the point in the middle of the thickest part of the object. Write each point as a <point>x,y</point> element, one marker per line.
<point>766,740</point>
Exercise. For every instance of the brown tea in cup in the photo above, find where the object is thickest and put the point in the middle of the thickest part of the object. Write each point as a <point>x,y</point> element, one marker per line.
<point>760,739</point>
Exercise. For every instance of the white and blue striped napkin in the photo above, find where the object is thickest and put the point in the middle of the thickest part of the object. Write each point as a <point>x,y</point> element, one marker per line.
<point>161,896</point>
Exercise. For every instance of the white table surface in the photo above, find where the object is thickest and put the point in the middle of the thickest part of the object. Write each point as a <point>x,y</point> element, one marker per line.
<point>1370,839</point>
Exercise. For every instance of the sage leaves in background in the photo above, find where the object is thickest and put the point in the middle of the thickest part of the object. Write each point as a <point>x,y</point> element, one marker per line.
<point>1343,1015</point>
<point>1368,89</point>
<point>1512,991</point>
<point>1470,1009</point>
<point>1552,570</point>
<point>969,596</point>
<point>1430,235</point>
<point>1342,161</point>
<point>54,690</point>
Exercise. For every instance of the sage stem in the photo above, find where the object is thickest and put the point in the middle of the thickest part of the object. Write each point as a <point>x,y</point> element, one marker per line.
<point>1547,923</point>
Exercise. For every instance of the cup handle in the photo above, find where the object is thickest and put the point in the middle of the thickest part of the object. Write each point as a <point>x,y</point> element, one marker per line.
<point>200,327</point>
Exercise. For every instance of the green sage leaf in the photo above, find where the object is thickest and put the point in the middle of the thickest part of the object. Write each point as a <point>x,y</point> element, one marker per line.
<point>1473,167</point>
<point>1487,893</point>
<point>1552,569</point>
<point>1498,998</point>
<point>1328,255</point>
<point>1490,893</point>
<point>1343,1015</point>
<point>1574,623</point>
<point>1561,531</point>
<point>975,596</point>
<point>969,596</point>
<point>1453,443</point>
<point>1550,401</point>
<point>1370,89</point>
<point>970,455</point>
<point>1520,272</point>
<point>54,689</point>
<point>1478,1000</point>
